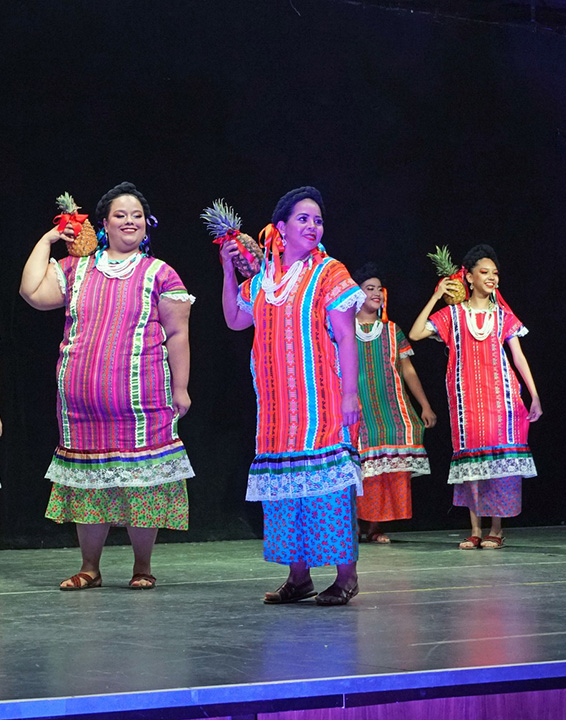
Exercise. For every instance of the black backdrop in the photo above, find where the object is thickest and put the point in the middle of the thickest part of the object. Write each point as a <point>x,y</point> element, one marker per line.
<point>418,131</point>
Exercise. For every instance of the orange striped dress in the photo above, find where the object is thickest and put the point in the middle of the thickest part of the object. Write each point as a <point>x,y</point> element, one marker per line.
<point>302,448</point>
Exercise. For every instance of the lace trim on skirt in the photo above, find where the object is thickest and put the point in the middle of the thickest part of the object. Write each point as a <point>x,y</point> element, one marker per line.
<point>416,465</point>
<point>304,474</point>
<point>143,467</point>
<point>488,468</point>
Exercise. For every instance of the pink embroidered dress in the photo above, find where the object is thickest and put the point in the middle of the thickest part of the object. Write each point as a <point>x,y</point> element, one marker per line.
<point>302,448</point>
<point>117,425</point>
<point>488,418</point>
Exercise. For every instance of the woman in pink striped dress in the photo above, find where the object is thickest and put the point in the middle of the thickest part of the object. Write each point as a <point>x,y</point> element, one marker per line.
<point>122,381</point>
<point>488,418</point>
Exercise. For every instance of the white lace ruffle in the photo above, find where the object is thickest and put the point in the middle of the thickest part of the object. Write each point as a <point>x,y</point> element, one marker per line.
<point>490,469</point>
<point>358,298</point>
<point>406,353</point>
<point>243,305</point>
<point>377,466</point>
<point>61,279</point>
<point>107,477</point>
<point>305,483</point>
<point>432,328</point>
<point>521,332</point>
<point>181,297</point>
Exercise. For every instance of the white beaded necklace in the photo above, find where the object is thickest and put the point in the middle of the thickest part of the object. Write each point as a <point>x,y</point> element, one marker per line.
<point>472,323</point>
<point>375,332</point>
<point>121,269</point>
<point>287,282</point>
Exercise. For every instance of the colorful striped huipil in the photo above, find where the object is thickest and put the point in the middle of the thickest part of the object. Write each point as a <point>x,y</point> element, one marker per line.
<point>488,418</point>
<point>116,420</point>
<point>302,448</point>
<point>391,433</point>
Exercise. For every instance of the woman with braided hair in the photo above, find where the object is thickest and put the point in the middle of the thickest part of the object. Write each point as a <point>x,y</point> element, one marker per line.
<point>122,382</point>
<point>488,417</point>
<point>304,366</point>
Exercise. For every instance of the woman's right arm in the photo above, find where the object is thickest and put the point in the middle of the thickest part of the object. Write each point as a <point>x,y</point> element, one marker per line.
<point>236,319</point>
<point>419,331</point>
<point>40,286</point>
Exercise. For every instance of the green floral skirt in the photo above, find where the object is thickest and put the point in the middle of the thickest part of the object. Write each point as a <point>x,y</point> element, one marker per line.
<point>157,506</point>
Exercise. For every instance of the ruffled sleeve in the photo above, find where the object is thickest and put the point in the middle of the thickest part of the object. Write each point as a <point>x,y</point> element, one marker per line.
<point>403,346</point>
<point>61,277</point>
<point>440,323</point>
<point>244,298</point>
<point>513,327</point>
<point>340,291</point>
<point>171,286</point>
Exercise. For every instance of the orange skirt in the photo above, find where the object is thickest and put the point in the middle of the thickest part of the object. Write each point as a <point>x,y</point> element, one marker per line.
<point>386,497</point>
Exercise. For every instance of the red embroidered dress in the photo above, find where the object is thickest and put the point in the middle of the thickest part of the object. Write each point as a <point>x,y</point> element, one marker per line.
<point>302,448</point>
<point>488,418</point>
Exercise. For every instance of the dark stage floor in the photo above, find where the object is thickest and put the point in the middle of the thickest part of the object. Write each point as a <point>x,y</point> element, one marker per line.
<point>428,616</point>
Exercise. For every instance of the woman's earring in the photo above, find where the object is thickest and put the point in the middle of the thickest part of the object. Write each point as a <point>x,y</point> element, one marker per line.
<point>283,239</point>
<point>144,245</point>
<point>102,236</point>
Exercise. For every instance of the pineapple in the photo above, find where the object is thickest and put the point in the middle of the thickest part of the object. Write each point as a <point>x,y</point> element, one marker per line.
<point>446,268</point>
<point>85,242</point>
<point>224,224</point>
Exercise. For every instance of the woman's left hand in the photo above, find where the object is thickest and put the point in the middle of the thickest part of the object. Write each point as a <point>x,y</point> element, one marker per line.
<point>181,402</point>
<point>428,416</point>
<point>536,410</point>
<point>350,409</point>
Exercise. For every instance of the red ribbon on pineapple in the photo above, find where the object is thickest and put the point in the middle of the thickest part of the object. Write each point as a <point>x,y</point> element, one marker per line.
<point>76,219</point>
<point>234,235</point>
<point>458,275</point>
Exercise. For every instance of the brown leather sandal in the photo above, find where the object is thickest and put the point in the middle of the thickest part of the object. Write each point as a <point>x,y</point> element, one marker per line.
<point>337,595</point>
<point>290,593</point>
<point>82,581</point>
<point>142,576</point>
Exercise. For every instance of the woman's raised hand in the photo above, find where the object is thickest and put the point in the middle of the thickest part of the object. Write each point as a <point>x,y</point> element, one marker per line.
<point>228,252</point>
<point>53,235</point>
<point>446,286</point>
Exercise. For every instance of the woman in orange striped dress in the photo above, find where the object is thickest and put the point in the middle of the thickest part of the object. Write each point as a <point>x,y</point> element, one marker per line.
<point>488,417</point>
<point>391,432</point>
<point>304,366</point>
